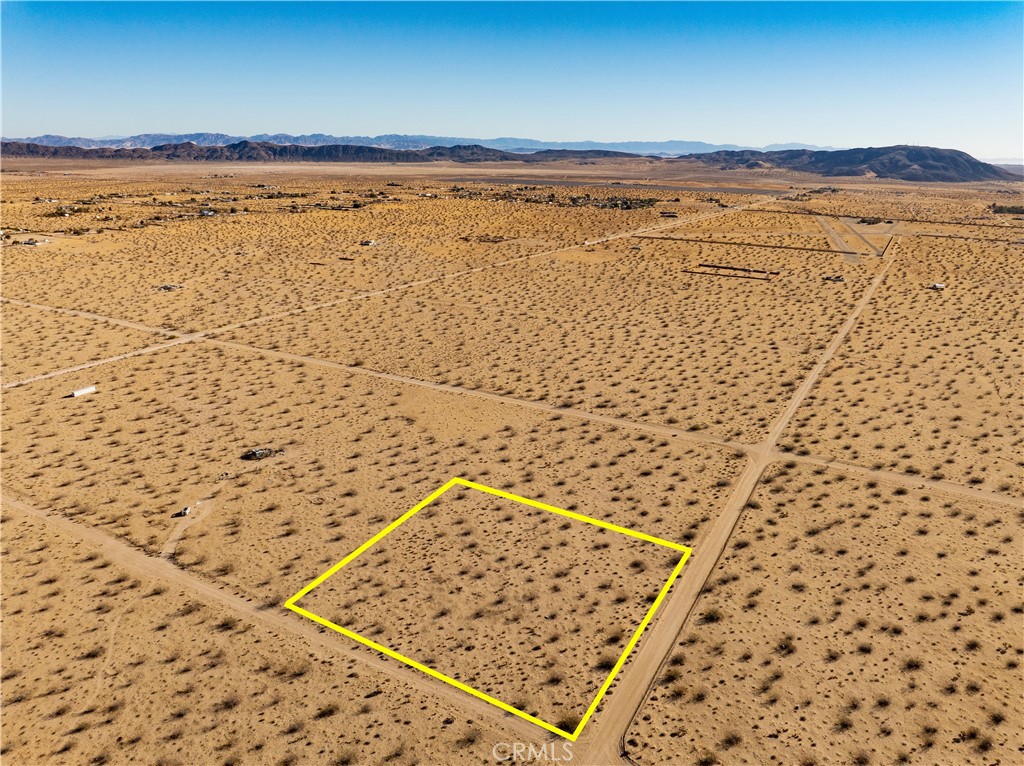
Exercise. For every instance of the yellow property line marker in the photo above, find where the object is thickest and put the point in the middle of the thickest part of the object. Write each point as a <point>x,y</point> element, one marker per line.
<point>573,735</point>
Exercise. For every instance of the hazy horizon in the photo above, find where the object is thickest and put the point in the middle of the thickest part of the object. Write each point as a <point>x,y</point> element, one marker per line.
<point>763,147</point>
<point>843,75</point>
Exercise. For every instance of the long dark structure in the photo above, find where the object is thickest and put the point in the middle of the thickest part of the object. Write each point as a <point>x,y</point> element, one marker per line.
<point>738,272</point>
<point>749,244</point>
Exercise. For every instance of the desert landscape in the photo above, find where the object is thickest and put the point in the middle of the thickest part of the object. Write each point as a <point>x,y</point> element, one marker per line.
<point>814,383</point>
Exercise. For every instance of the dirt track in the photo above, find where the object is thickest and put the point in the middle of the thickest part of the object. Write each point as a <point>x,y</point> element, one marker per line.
<point>603,742</point>
<point>159,568</point>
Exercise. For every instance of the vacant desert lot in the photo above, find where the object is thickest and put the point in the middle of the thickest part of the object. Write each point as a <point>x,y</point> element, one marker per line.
<point>851,621</point>
<point>37,342</point>
<point>607,328</point>
<point>520,603</point>
<point>930,382</point>
<point>564,343</point>
<point>268,257</point>
<point>943,203</point>
<point>105,665</point>
<point>167,431</point>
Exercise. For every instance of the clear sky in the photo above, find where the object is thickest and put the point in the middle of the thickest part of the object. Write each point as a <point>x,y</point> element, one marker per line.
<point>841,74</point>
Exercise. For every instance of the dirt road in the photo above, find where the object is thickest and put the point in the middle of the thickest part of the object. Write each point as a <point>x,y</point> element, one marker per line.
<point>276,618</point>
<point>849,223</point>
<point>97,363</point>
<point>603,741</point>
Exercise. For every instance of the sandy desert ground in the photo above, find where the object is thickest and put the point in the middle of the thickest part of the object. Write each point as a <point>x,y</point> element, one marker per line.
<point>843,457</point>
<point>850,621</point>
<point>483,565</point>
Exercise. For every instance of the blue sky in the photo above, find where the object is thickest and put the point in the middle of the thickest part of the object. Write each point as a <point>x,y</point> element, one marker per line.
<point>840,74</point>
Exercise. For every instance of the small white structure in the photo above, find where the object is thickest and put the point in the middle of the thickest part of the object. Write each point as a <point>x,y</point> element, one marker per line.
<point>368,243</point>
<point>937,286</point>
<point>83,391</point>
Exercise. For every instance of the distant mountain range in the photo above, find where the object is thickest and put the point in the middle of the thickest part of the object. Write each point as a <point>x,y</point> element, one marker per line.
<point>264,151</point>
<point>907,163</point>
<point>395,141</point>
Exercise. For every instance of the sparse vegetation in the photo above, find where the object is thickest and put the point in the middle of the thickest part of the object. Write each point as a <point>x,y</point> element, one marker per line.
<point>866,611</point>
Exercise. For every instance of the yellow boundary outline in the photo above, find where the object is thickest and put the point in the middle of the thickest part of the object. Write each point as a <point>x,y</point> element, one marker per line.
<point>571,736</point>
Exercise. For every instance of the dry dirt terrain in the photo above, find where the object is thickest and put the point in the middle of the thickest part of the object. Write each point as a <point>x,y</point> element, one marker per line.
<point>483,566</point>
<point>108,660</point>
<point>850,621</point>
<point>660,353</point>
<point>929,383</point>
<point>605,328</point>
